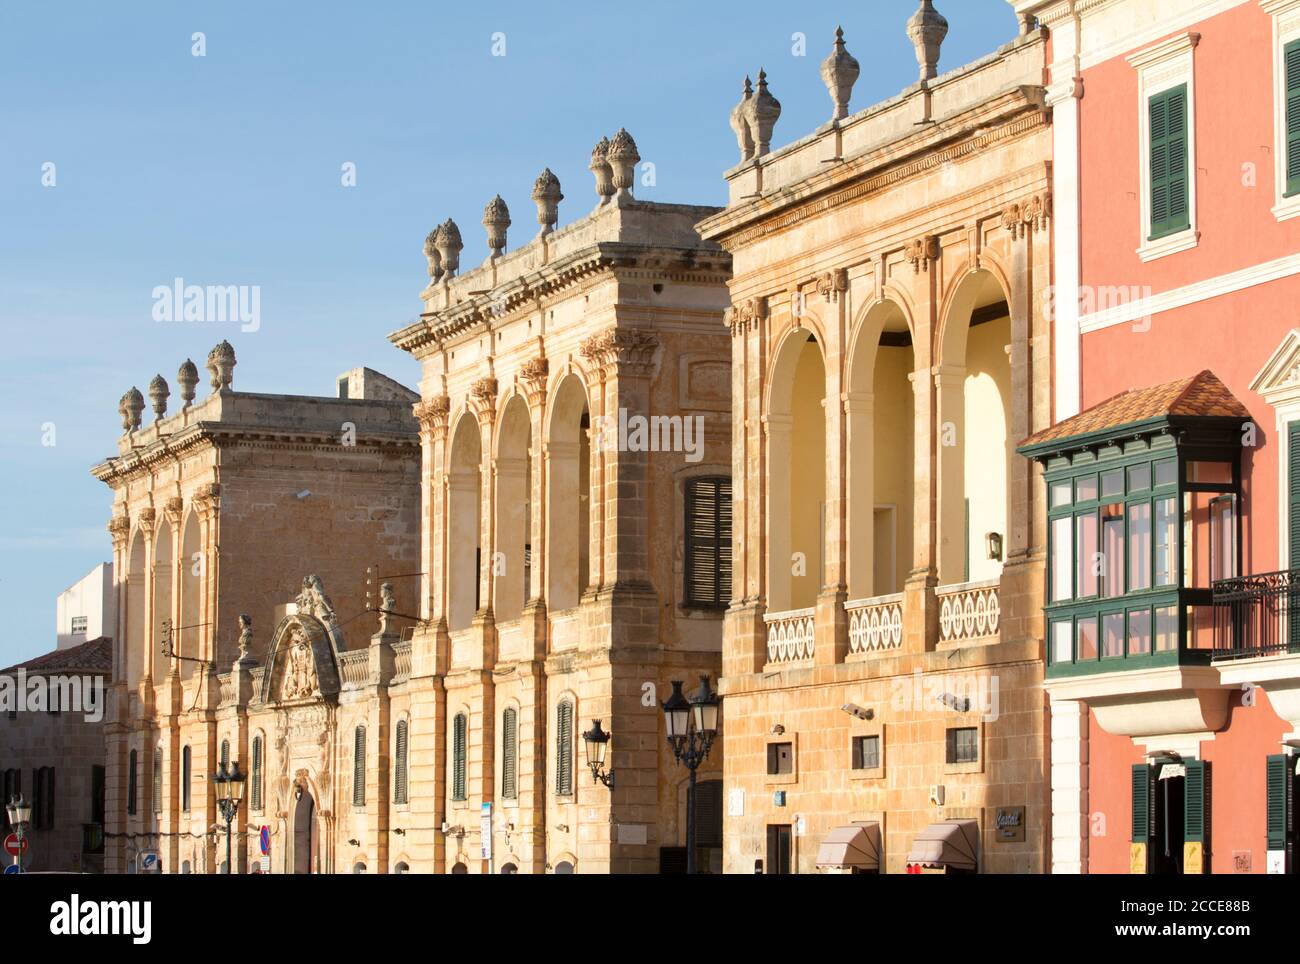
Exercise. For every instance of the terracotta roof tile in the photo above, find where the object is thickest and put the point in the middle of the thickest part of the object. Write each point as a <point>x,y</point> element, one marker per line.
<point>95,656</point>
<point>1200,395</point>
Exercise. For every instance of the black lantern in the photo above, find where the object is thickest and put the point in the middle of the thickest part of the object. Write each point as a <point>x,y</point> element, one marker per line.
<point>229,784</point>
<point>677,713</point>
<point>704,707</point>
<point>597,743</point>
<point>691,726</point>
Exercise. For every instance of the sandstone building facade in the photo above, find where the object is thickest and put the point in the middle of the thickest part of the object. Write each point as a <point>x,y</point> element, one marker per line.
<point>883,653</point>
<point>575,428</point>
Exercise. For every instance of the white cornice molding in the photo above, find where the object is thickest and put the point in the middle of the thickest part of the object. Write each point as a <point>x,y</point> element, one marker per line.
<point>1165,50</point>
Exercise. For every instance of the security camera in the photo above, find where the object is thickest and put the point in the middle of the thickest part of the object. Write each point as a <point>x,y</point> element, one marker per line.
<point>303,494</point>
<point>861,713</point>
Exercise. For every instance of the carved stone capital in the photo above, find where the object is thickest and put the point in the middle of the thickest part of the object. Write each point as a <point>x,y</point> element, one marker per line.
<point>622,351</point>
<point>207,501</point>
<point>922,252</point>
<point>482,399</point>
<point>1032,213</point>
<point>148,517</point>
<point>746,316</point>
<point>831,283</point>
<point>119,527</point>
<point>172,509</point>
<point>532,376</point>
<point>432,415</point>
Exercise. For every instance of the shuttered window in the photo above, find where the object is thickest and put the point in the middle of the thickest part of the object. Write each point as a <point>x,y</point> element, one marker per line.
<point>1170,196</point>
<point>564,749</point>
<point>708,814</point>
<point>1196,802</point>
<point>1279,807</point>
<point>185,779</point>
<point>259,769</point>
<point>156,789</point>
<point>1144,817</point>
<point>509,754</point>
<point>458,735</point>
<point>708,541</point>
<point>1291,60</point>
<point>43,798</point>
<point>225,754</point>
<point>359,767</point>
<point>399,765</point>
<point>132,784</point>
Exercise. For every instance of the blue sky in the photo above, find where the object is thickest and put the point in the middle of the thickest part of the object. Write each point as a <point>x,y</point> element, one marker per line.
<point>225,169</point>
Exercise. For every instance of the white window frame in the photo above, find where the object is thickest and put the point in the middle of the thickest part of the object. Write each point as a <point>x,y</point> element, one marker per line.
<point>1161,67</point>
<point>1286,28</point>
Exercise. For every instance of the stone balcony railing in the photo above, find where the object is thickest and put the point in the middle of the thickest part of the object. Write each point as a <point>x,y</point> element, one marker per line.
<point>968,611</point>
<point>790,635</point>
<point>402,661</point>
<point>354,667</point>
<point>876,624</point>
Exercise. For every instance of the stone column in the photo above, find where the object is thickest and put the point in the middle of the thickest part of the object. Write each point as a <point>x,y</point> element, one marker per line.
<point>859,415</point>
<point>832,628</point>
<point>116,724</point>
<point>148,526</point>
<point>950,456</point>
<point>432,415</point>
<point>920,609</point>
<point>1070,777</point>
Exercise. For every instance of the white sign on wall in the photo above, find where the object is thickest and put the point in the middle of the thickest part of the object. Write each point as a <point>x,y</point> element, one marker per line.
<point>1277,861</point>
<point>736,803</point>
<point>485,831</point>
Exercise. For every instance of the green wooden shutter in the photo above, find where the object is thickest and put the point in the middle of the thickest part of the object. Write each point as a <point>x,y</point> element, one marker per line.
<point>1279,802</point>
<point>458,757</point>
<point>1143,803</point>
<point>564,749</point>
<point>257,773</point>
<point>1196,802</point>
<point>157,780</point>
<point>131,779</point>
<point>185,779</point>
<point>359,767</point>
<point>1170,183</point>
<point>509,754</point>
<point>399,777</point>
<point>1291,60</point>
<point>708,814</point>
<point>708,541</point>
<point>225,753</point>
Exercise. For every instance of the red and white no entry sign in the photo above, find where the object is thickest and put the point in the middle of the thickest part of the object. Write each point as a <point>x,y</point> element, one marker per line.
<point>15,846</point>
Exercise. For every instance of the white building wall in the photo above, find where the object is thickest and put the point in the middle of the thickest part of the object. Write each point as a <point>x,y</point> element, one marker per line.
<point>90,597</point>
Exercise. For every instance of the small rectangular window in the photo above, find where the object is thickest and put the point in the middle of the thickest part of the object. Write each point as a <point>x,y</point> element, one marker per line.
<point>1139,546</point>
<point>866,752</point>
<point>1112,549</point>
<point>1166,542</point>
<point>80,624</point>
<point>1166,629</point>
<point>1112,483</point>
<point>780,759</point>
<point>1112,635</point>
<point>1166,472</point>
<point>1062,559</point>
<point>1062,493</point>
<point>1139,632</point>
<point>1085,632</point>
<point>1170,185</point>
<point>1085,489</point>
<point>963,745</point>
<point>1139,477</point>
<point>1087,554</point>
<point>1062,641</point>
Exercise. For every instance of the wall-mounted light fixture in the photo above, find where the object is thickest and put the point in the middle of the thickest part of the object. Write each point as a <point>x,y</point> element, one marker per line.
<point>777,729</point>
<point>993,542</point>
<point>861,712</point>
<point>597,743</point>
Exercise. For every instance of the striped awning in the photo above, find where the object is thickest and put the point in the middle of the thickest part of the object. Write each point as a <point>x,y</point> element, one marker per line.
<point>853,847</point>
<point>948,843</point>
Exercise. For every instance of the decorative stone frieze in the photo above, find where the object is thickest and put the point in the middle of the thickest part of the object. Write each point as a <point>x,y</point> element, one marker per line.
<point>622,351</point>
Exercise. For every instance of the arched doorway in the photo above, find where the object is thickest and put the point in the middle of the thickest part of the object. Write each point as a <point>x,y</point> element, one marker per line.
<point>568,487</point>
<point>464,525</point>
<point>304,813</point>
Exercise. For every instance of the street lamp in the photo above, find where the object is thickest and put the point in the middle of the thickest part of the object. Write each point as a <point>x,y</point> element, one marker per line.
<point>692,725</point>
<point>230,790</point>
<point>597,743</point>
<point>20,815</point>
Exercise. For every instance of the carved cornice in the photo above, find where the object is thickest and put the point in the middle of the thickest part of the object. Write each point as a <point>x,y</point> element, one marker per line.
<point>746,316</point>
<point>922,252</point>
<point>1033,213</point>
<point>622,351</point>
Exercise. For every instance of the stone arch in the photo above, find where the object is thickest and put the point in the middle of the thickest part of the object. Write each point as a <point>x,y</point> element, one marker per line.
<point>191,565</point>
<point>513,474</point>
<point>297,674</point>
<point>565,863</point>
<point>464,528</point>
<point>135,652</point>
<point>880,426</point>
<point>974,444</point>
<point>164,568</point>
<point>796,472</point>
<point>303,851</point>
<point>568,488</point>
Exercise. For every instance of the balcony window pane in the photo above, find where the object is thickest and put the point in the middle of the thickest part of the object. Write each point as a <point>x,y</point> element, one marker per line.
<point>1062,641</point>
<point>1167,472</point>
<point>1086,553</point>
<point>1062,559</point>
<point>1061,493</point>
<point>1223,538</point>
<point>1166,629</point>
<point>1166,542</point>
<point>1211,472</point>
<point>1112,483</point>
<point>1139,477</point>
<point>1112,628</point>
<point>1112,548</point>
<point>1085,489</point>
<point>1139,632</point>
<point>1139,546</point>
<point>1086,633</point>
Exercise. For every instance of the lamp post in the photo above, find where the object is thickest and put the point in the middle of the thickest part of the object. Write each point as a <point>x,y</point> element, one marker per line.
<point>692,726</point>
<point>20,815</point>
<point>230,790</point>
<point>597,742</point>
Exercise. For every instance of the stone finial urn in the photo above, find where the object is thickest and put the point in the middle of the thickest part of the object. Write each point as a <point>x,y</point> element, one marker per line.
<point>496,219</point>
<point>839,73</point>
<point>927,28</point>
<point>432,256</point>
<point>447,241</point>
<point>623,158</point>
<point>546,195</point>
<point>600,167</point>
<point>740,122</point>
<point>221,367</point>
<point>130,408</point>
<point>187,377</point>
<point>158,394</point>
<point>763,111</point>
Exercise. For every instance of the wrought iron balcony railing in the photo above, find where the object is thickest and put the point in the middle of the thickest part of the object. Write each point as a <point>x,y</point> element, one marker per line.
<point>1253,615</point>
